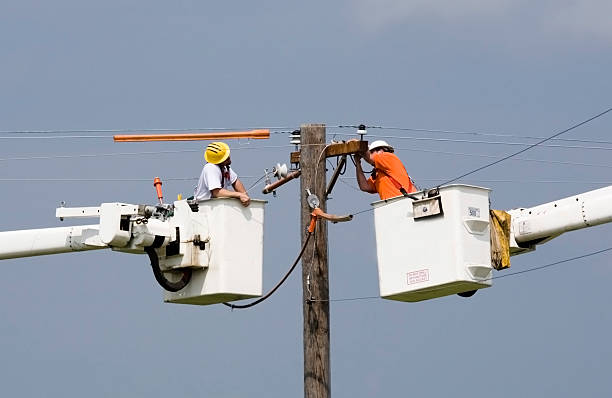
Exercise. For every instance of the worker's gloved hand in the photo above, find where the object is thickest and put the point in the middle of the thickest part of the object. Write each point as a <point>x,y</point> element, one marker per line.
<point>245,200</point>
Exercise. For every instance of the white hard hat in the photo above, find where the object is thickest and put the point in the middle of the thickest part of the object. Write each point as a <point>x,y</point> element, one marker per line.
<point>379,144</point>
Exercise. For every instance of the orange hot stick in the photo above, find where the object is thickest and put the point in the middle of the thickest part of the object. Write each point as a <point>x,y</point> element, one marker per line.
<point>157,184</point>
<point>256,134</point>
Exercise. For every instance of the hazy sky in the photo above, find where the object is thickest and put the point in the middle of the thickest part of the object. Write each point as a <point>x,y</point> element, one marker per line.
<point>94,324</point>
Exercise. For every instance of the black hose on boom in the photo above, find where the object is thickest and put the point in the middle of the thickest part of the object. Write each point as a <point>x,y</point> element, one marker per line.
<point>159,275</point>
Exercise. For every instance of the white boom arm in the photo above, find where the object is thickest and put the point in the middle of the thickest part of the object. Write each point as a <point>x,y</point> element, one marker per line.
<point>539,224</point>
<point>137,229</point>
<point>195,264</point>
<point>121,228</point>
<point>38,242</point>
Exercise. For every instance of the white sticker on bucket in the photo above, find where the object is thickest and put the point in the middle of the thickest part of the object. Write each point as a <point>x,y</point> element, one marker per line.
<point>419,276</point>
<point>474,212</point>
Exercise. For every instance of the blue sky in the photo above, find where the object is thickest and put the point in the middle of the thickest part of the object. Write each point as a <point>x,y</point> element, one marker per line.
<point>94,323</point>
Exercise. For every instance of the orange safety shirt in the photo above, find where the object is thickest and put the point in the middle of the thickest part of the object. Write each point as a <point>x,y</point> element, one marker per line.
<point>388,167</point>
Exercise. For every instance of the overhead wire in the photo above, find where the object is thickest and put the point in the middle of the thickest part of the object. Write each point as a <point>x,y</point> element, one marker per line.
<point>259,179</point>
<point>515,158</point>
<point>488,142</point>
<point>537,268</point>
<point>288,130</point>
<point>238,148</point>
<point>508,180</point>
<point>449,140</point>
<point>458,132</point>
<point>529,147</point>
<point>256,182</point>
<point>144,130</point>
<point>93,179</point>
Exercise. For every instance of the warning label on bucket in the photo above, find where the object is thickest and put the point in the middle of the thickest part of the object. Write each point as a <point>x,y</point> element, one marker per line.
<point>419,276</point>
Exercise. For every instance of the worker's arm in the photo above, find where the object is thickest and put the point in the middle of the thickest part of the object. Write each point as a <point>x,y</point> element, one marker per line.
<point>362,181</point>
<point>239,187</point>
<point>226,193</point>
<point>366,156</point>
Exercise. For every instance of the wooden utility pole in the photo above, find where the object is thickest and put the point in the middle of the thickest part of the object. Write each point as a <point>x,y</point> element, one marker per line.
<point>317,374</point>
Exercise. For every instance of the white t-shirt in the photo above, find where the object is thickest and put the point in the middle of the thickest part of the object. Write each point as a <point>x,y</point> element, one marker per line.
<point>211,179</point>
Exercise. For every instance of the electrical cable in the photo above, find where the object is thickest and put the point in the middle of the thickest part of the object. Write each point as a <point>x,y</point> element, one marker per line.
<point>93,179</point>
<point>479,180</point>
<point>198,151</point>
<point>470,133</point>
<point>529,147</point>
<point>499,276</point>
<point>490,142</point>
<point>48,137</point>
<point>93,155</point>
<point>255,183</point>
<point>289,130</point>
<point>516,159</point>
<point>553,264</point>
<point>247,177</point>
<point>74,131</point>
<point>242,306</point>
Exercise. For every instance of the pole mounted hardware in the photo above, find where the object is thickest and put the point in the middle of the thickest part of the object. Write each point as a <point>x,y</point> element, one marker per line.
<point>337,149</point>
<point>361,131</point>
<point>314,203</point>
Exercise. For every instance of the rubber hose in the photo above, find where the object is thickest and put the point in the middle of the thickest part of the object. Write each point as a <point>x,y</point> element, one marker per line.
<point>159,275</point>
<point>242,306</point>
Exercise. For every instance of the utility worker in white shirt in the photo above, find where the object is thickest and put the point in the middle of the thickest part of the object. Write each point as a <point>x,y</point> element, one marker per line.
<point>218,180</point>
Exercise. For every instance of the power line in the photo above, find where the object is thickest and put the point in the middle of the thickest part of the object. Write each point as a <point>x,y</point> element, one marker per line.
<point>484,134</point>
<point>553,264</point>
<point>448,140</point>
<point>239,148</point>
<point>111,154</point>
<point>522,181</point>
<point>489,142</point>
<point>83,179</point>
<point>93,155</point>
<point>259,178</point>
<point>45,137</point>
<point>285,130</point>
<point>143,130</point>
<point>93,179</point>
<point>529,147</point>
<point>516,159</point>
<point>499,276</point>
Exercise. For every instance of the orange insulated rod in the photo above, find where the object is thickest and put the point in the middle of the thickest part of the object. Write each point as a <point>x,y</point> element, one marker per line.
<point>256,134</point>
<point>158,187</point>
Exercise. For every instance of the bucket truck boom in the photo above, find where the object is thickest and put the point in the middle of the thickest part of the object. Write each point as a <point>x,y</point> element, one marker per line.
<point>194,263</point>
<point>539,224</point>
<point>38,242</point>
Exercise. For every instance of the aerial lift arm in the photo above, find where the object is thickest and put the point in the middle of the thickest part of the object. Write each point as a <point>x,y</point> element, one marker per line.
<point>539,224</point>
<point>38,242</point>
<point>137,229</point>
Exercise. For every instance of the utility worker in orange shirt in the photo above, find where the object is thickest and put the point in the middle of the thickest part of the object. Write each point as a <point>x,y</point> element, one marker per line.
<point>389,178</point>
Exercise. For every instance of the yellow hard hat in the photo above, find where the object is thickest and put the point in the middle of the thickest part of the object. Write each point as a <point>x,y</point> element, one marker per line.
<point>217,152</point>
